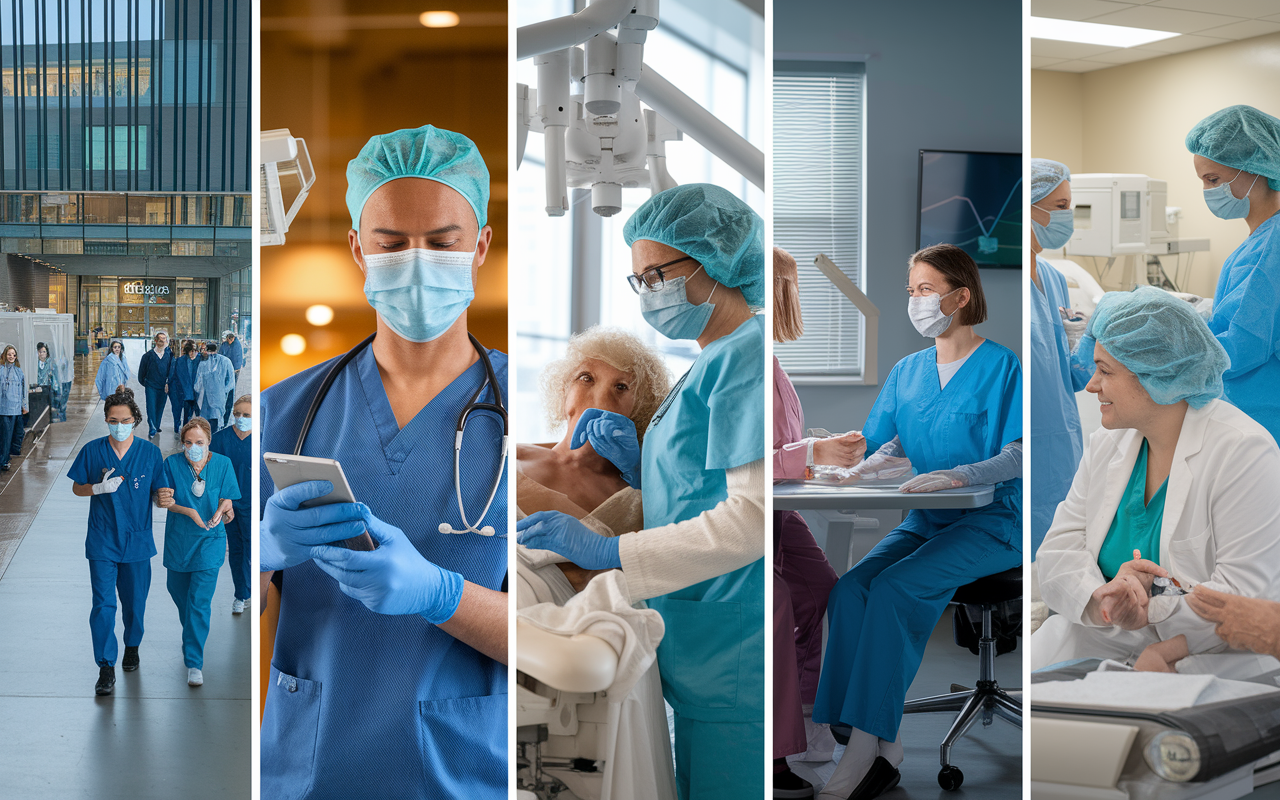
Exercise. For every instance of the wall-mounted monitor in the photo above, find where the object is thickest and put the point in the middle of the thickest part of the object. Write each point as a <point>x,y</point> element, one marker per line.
<point>974,201</point>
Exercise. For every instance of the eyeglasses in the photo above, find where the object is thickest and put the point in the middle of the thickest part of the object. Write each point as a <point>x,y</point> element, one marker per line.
<point>652,278</point>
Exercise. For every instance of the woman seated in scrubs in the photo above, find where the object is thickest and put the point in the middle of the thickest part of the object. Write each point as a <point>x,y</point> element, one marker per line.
<point>956,408</point>
<point>1176,484</point>
<point>113,372</point>
<point>195,535</point>
<point>697,261</point>
<point>1237,156</point>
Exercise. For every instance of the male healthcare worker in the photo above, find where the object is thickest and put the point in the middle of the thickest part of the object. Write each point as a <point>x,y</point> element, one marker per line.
<point>698,267</point>
<point>214,378</point>
<point>122,475</point>
<point>388,677</point>
<point>1237,156</point>
<point>1057,371</point>
<point>235,443</point>
<point>233,350</point>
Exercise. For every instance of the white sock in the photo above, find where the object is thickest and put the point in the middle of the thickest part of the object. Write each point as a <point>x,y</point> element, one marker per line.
<point>892,751</point>
<point>853,766</point>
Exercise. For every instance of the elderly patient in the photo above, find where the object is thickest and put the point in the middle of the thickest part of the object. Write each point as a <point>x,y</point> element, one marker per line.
<point>1176,484</point>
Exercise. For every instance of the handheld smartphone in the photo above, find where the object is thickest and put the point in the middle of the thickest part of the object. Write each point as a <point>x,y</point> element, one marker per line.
<point>286,470</point>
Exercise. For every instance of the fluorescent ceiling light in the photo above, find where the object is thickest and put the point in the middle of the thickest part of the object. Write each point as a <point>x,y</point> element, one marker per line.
<point>1065,30</point>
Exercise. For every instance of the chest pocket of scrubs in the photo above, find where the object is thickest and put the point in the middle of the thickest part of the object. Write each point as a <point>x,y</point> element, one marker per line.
<point>966,436</point>
<point>464,746</point>
<point>290,723</point>
<point>700,653</point>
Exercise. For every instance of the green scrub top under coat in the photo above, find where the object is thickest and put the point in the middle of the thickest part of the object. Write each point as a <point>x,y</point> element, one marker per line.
<point>187,547</point>
<point>1136,525</point>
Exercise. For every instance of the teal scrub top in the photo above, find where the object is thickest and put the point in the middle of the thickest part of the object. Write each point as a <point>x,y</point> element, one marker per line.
<point>187,548</point>
<point>1136,525</point>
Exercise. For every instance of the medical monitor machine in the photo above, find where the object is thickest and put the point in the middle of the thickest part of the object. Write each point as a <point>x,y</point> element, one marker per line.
<point>972,200</point>
<point>285,177</point>
<point>605,115</point>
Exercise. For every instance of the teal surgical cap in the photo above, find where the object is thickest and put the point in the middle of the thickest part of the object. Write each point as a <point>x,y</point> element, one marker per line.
<point>714,227</point>
<point>1164,342</point>
<point>1045,177</point>
<point>1240,137</point>
<point>427,152</point>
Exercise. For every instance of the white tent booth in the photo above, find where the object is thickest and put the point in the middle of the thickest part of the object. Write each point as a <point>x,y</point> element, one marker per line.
<point>24,330</point>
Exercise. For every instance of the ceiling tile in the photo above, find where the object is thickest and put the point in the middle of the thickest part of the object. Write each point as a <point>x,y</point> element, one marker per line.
<point>1126,56</point>
<point>1050,48</point>
<point>1165,19</point>
<point>1039,62</point>
<point>1245,29</point>
<point>1182,44</point>
<point>1273,18</point>
<point>1078,66</point>
<point>1251,9</point>
<point>1076,10</point>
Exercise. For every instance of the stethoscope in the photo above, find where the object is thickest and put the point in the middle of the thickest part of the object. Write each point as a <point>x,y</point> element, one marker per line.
<point>499,408</point>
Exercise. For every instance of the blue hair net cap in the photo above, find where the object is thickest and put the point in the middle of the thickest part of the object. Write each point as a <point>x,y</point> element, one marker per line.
<point>427,152</point>
<point>1045,177</point>
<point>1164,342</point>
<point>1241,137</point>
<point>716,228</point>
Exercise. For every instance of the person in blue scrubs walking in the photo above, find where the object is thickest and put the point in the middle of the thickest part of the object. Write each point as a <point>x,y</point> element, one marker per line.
<point>214,378</point>
<point>182,386</point>
<point>123,476</point>
<point>956,409</point>
<point>113,372</point>
<point>233,350</point>
<point>1237,156</point>
<point>388,675</point>
<point>1059,367</point>
<point>235,442</point>
<point>698,267</point>
<point>49,379</point>
<point>155,370</point>
<point>195,535</point>
<point>13,404</point>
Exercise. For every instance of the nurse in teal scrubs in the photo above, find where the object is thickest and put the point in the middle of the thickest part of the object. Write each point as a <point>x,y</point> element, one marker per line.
<point>195,535</point>
<point>698,267</point>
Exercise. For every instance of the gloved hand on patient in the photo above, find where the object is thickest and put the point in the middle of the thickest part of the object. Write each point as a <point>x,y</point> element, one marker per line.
<point>566,536</point>
<point>289,531</point>
<point>614,438</point>
<point>1123,600</point>
<point>888,462</point>
<point>1245,623</point>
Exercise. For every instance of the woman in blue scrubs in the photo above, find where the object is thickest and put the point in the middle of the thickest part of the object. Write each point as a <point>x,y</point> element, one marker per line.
<point>123,475</point>
<point>113,372</point>
<point>388,675</point>
<point>1237,156</point>
<point>698,267</point>
<point>1059,368</point>
<point>195,535</point>
<point>182,386</point>
<point>154,372</point>
<point>235,443</point>
<point>957,410</point>
<point>50,380</point>
<point>13,404</point>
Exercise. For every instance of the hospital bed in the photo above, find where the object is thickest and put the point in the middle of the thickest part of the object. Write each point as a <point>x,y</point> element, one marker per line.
<point>1216,751</point>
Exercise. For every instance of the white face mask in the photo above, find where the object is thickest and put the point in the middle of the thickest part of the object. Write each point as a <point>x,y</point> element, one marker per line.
<point>926,314</point>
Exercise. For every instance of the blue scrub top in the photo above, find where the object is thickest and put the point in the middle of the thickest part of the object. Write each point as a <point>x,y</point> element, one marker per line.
<point>353,693</point>
<point>187,547</point>
<point>112,372</point>
<point>13,390</point>
<point>1137,523</point>
<point>154,370</point>
<point>240,451</point>
<point>971,420</point>
<point>120,521</point>
<point>712,656</point>
<point>233,352</point>
<point>1246,320</point>
<point>182,383</point>
<point>47,373</point>
<point>1056,375</point>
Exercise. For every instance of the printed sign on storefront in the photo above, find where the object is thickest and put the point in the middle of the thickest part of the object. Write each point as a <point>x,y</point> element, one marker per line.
<point>146,290</point>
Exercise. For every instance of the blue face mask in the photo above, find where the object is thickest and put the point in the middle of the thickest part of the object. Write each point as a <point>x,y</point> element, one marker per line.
<point>195,453</point>
<point>1062,223</point>
<point>419,293</point>
<point>121,432</point>
<point>1226,205</point>
<point>671,314</point>
<point>244,424</point>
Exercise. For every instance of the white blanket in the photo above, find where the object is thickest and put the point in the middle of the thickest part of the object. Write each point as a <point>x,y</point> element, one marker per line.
<point>1149,691</point>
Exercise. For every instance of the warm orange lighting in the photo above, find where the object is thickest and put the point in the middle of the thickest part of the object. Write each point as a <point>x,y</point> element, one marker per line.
<point>439,19</point>
<point>293,345</point>
<point>319,315</point>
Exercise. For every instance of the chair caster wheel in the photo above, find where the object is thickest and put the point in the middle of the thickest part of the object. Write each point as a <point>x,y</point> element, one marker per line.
<point>950,778</point>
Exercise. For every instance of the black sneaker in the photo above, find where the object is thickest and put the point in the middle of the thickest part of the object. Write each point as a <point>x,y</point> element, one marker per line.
<point>106,681</point>
<point>787,784</point>
<point>881,778</point>
<point>130,662</point>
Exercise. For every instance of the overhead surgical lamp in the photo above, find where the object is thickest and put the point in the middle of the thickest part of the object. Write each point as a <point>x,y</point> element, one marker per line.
<point>285,178</point>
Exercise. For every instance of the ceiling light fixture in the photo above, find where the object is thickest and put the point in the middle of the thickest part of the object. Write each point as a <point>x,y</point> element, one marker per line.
<point>1066,30</point>
<point>439,19</point>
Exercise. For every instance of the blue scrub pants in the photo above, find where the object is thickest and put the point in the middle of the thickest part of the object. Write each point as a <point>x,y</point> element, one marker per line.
<point>63,394</point>
<point>238,552</point>
<point>176,405</point>
<point>190,409</point>
<point>131,580</point>
<point>9,424</point>
<point>155,409</point>
<point>881,614</point>
<point>718,760</point>
<point>19,433</point>
<point>192,593</point>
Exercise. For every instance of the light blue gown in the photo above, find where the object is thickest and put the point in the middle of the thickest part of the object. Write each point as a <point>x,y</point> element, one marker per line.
<point>1056,375</point>
<point>360,702</point>
<point>214,379</point>
<point>1246,320</point>
<point>193,555</point>
<point>712,656</point>
<point>882,611</point>
<point>112,372</point>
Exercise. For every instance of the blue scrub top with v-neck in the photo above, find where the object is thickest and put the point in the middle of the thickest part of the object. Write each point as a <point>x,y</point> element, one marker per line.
<point>971,420</point>
<point>353,693</point>
<point>1137,523</point>
<point>188,547</point>
<point>120,521</point>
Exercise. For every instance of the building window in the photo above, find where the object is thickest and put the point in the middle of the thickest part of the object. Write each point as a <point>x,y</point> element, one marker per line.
<point>127,138</point>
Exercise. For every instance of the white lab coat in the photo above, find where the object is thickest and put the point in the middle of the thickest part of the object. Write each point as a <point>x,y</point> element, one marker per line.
<point>1221,527</point>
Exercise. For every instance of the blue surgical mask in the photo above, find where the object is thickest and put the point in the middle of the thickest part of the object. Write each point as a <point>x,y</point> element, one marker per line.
<point>195,453</point>
<point>244,424</point>
<point>671,314</point>
<point>120,432</point>
<point>419,293</point>
<point>1062,224</point>
<point>1226,205</point>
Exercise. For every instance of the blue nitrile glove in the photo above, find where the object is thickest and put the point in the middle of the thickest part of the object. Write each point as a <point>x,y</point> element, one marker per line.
<point>566,536</point>
<point>290,531</point>
<point>613,437</point>
<point>395,578</point>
